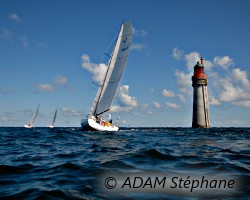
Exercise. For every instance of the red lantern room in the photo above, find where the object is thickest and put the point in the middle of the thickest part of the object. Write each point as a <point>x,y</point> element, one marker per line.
<point>199,70</point>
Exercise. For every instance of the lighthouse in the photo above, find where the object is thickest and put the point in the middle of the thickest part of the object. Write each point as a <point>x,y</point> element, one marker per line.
<point>200,97</point>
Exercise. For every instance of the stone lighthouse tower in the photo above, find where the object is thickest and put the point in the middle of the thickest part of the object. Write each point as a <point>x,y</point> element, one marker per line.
<point>200,98</point>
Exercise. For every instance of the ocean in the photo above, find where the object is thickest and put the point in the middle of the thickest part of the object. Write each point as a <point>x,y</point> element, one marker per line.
<point>134,163</point>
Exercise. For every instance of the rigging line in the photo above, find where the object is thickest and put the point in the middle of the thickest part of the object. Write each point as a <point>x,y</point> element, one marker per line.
<point>116,36</point>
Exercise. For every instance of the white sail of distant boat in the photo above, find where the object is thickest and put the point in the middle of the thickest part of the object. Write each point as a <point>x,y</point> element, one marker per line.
<point>30,124</point>
<point>54,120</point>
<point>108,88</point>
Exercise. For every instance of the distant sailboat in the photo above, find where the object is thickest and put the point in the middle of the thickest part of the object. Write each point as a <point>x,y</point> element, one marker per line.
<point>54,120</point>
<point>107,90</point>
<point>30,125</point>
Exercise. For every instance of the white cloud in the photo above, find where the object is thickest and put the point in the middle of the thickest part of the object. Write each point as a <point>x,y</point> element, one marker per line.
<point>228,92</point>
<point>181,97</point>
<point>156,105</point>
<point>97,70</point>
<point>24,40</point>
<point>139,33</point>
<point>70,112</point>
<point>177,53</point>
<point>173,106</point>
<point>224,61</point>
<point>61,80</point>
<point>241,76</point>
<point>214,101</point>
<point>184,82</point>
<point>116,108</point>
<point>6,34</point>
<point>167,93</point>
<point>191,60</point>
<point>45,87</point>
<point>14,17</point>
<point>138,46</point>
<point>124,100</point>
<point>245,103</point>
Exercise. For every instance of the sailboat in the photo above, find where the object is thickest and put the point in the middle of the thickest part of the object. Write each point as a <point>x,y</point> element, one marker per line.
<point>30,125</point>
<point>108,88</point>
<point>54,120</point>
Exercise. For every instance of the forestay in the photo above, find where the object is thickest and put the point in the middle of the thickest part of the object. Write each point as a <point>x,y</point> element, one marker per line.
<point>117,63</point>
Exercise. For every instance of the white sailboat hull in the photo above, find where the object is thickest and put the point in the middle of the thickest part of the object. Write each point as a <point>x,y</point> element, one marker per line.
<point>91,124</point>
<point>28,126</point>
<point>51,126</point>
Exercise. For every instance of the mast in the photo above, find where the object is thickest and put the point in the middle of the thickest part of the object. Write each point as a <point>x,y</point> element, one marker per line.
<point>35,114</point>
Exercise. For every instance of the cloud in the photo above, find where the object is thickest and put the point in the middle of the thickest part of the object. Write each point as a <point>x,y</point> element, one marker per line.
<point>61,80</point>
<point>124,100</point>
<point>45,87</point>
<point>177,53</point>
<point>139,33</point>
<point>97,70</point>
<point>241,76</point>
<point>170,94</point>
<point>245,103</point>
<point>229,92</point>
<point>6,34</point>
<point>137,46</point>
<point>223,61</point>
<point>70,112</point>
<point>184,82</point>
<point>167,93</point>
<point>173,106</point>
<point>213,101</point>
<point>156,105</point>
<point>116,108</point>
<point>234,88</point>
<point>24,40</point>
<point>14,17</point>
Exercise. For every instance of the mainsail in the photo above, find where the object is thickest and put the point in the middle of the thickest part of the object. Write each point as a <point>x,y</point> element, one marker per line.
<point>54,119</point>
<point>117,63</point>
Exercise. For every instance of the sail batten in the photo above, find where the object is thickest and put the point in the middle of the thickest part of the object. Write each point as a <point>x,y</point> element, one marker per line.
<point>117,63</point>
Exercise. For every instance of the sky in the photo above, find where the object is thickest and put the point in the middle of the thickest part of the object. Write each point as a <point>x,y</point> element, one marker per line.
<point>52,50</point>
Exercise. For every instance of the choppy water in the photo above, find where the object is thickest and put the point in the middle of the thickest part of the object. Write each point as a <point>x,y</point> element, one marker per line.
<point>67,163</point>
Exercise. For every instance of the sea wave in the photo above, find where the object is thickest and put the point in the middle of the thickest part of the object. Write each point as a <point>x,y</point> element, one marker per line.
<point>67,163</point>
